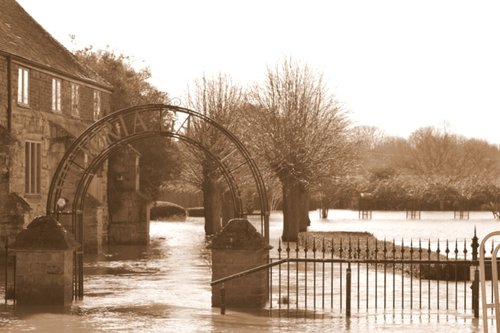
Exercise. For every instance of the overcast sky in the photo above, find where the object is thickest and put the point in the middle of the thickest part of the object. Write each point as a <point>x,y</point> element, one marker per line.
<point>397,65</point>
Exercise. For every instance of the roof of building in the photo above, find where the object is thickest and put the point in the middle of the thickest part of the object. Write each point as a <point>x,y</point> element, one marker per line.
<point>21,36</point>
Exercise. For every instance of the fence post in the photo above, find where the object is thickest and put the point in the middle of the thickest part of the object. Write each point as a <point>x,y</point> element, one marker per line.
<point>475,282</point>
<point>6,268</point>
<point>222,300</point>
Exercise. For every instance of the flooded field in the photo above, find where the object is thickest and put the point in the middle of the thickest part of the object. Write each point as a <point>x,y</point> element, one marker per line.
<point>164,287</point>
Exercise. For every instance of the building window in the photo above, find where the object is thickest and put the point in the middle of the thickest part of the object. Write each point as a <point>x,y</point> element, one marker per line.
<point>56,95</point>
<point>33,167</point>
<point>97,105</point>
<point>23,86</point>
<point>75,100</point>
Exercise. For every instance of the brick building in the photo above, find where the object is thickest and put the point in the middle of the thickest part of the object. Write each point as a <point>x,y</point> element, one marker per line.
<point>47,99</point>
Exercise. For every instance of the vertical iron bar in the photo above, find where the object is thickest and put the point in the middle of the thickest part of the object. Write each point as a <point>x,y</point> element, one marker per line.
<point>358,251</point>
<point>367,253</point>
<point>475,282</point>
<point>270,273</point>
<point>420,273</point>
<point>80,256</point>
<point>385,274</point>
<point>75,274</point>
<point>491,255</point>
<point>81,274</point>
<point>222,299</point>
<point>402,275</point>
<point>429,277</point>
<point>447,251</point>
<point>438,269</point>
<point>411,273</point>
<point>6,267</point>
<point>348,282</point>
<point>394,273</point>
<point>456,275</point>
<point>288,277</point>
<point>305,276</point>
<point>323,277</point>
<point>475,294</point>
<point>348,290</point>
<point>341,250</point>
<point>279,274</point>
<point>314,273</point>
<point>376,273</point>
<point>331,275</point>
<point>465,280</point>
<point>14,287</point>
<point>297,277</point>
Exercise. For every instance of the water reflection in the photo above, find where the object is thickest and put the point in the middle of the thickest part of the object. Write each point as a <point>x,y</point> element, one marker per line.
<point>165,287</point>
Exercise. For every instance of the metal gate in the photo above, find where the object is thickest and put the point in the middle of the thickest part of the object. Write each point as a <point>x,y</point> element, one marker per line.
<point>9,274</point>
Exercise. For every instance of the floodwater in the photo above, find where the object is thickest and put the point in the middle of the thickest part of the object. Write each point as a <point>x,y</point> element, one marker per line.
<point>165,287</point>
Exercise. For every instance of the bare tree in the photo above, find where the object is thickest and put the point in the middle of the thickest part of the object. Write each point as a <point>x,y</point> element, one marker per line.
<point>219,99</point>
<point>436,153</point>
<point>302,134</point>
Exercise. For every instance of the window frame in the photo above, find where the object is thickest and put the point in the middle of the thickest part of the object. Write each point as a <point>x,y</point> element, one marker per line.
<point>97,104</point>
<point>23,83</point>
<point>75,99</point>
<point>32,167</point>
<point>56,95</point>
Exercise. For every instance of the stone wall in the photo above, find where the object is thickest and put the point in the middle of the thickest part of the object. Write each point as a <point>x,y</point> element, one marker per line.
<point>129,224</point>
<point>128,208</point>
<point>250,291</point>
<point>44,277</point>
<point>95,232</point>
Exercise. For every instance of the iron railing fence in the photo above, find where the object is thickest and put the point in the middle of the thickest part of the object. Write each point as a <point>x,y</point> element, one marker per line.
<point>366,274</point>
<point>342,275</point>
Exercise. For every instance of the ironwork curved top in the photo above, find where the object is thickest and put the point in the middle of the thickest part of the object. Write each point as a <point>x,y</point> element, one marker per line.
<point>123,126</point>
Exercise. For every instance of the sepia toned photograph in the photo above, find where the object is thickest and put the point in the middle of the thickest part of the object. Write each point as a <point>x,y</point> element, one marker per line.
<point>235,166</point>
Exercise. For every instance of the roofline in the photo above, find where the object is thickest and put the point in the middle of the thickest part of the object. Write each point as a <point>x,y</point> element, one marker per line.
<point>69,53</point>
<point>18,58</point>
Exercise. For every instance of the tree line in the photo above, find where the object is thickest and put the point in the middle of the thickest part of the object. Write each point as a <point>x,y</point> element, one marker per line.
<point>431,170</point>
<point>305,146</point>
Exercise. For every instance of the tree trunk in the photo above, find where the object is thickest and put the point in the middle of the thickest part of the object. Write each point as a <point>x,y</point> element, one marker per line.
<point>304,210</point>
<point>291,209</point>
<point>212,202</point>
<point>323,208</point>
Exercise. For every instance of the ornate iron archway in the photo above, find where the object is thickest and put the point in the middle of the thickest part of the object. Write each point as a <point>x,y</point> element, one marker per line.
<point>101,139</point>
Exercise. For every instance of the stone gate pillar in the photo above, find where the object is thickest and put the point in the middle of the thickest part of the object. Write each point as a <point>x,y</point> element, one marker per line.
<point>238,247</point>
<point>44,263</point>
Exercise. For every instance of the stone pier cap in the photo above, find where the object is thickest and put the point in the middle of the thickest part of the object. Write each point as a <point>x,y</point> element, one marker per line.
<point>238,234</point>
<point>44,233</point>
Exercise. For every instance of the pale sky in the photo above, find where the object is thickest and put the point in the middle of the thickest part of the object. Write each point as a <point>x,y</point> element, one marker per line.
<point>397,65</point>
